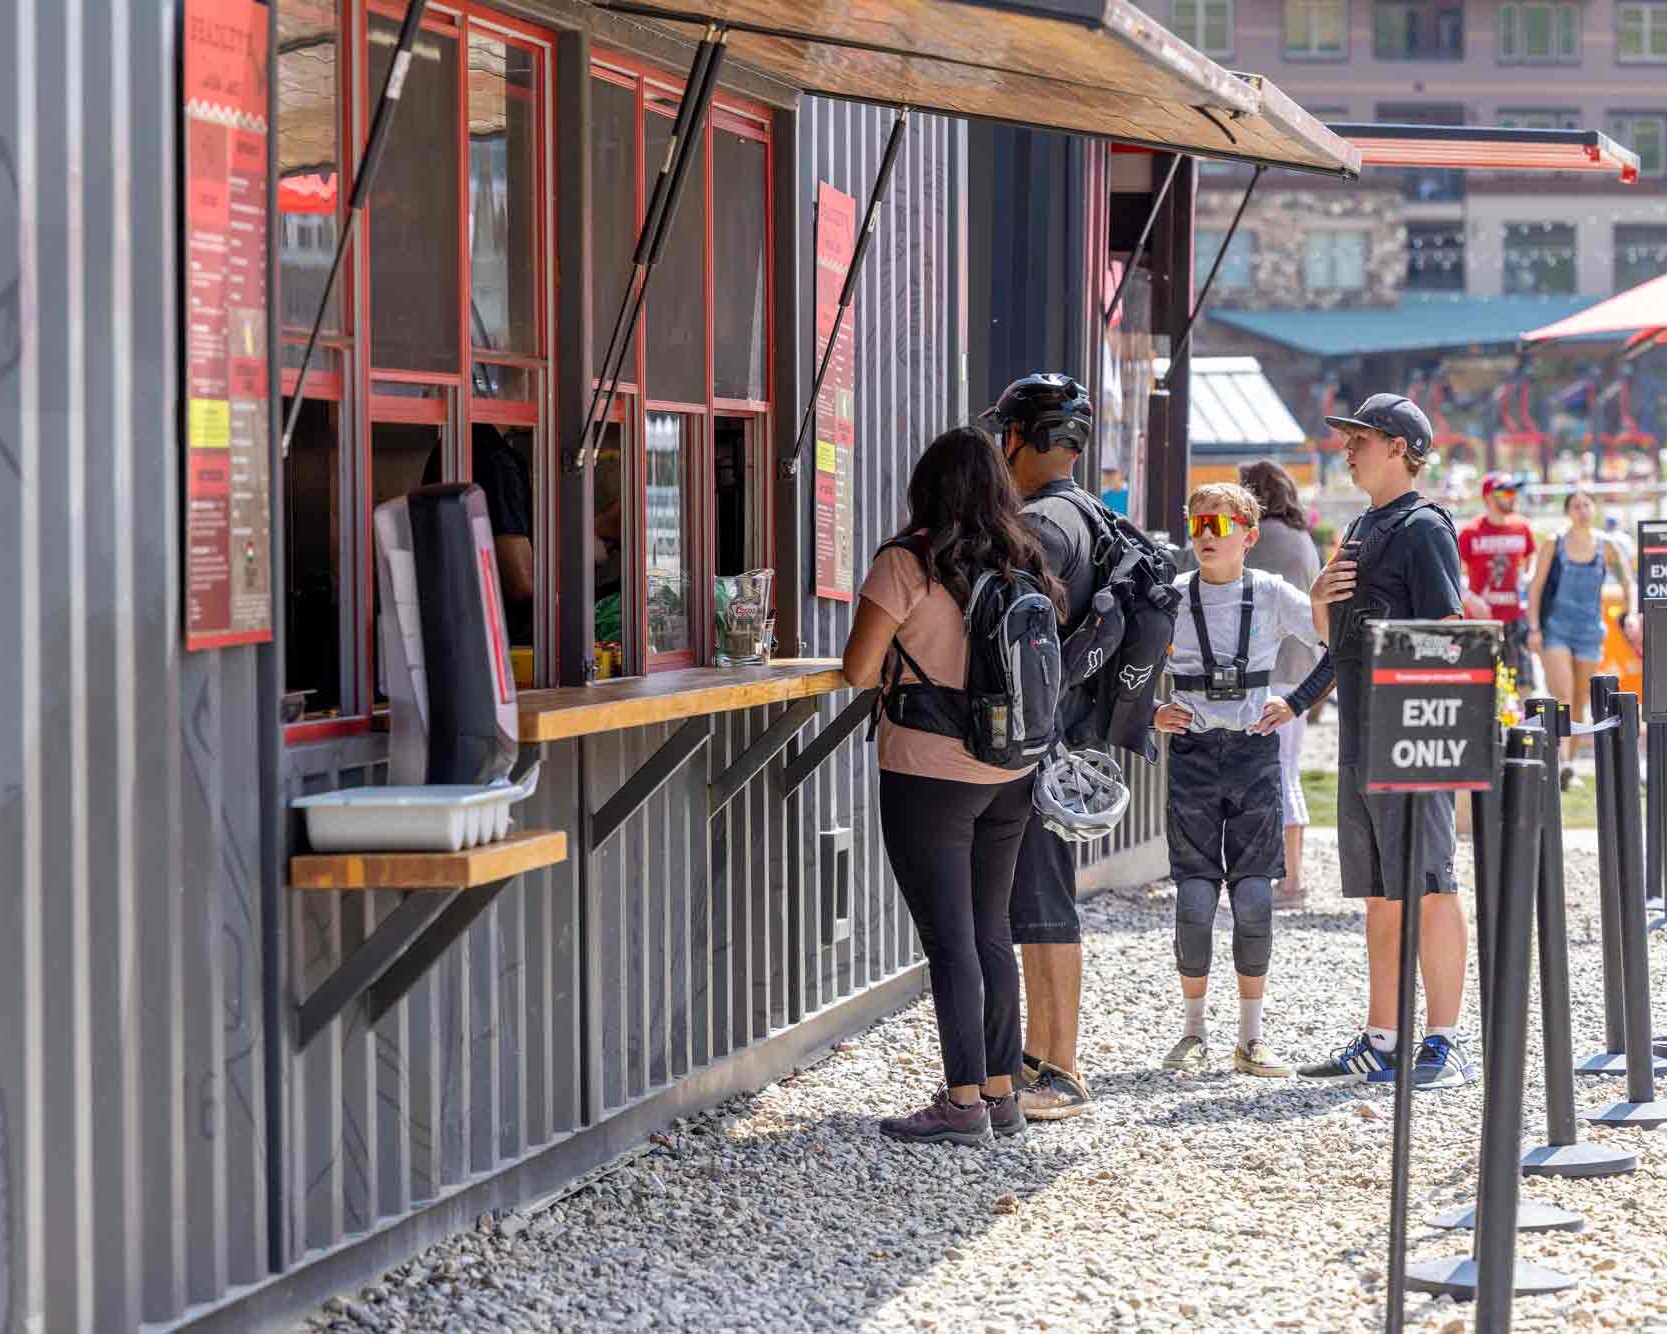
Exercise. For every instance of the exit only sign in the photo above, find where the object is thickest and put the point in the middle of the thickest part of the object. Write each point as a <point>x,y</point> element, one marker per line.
<point>1432,713</point>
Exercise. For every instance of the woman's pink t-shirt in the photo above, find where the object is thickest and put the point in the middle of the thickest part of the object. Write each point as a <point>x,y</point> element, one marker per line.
<point>931,630</point>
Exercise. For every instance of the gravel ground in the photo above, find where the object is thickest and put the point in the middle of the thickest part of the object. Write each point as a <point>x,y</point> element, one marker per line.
<point>1219,1202</point>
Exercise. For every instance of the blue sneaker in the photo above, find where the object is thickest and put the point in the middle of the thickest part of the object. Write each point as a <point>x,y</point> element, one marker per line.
<point>1441,1064</point>
<point>1358,1063</point>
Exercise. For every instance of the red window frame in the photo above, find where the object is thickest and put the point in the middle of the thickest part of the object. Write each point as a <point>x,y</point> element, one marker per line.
<point>458,404</point>
<point>752,120</point>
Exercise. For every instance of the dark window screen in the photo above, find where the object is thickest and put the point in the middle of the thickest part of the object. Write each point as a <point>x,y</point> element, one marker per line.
<point>674,317</point>
<point>738,241</point>
<point>307,159</point>
<point>613,157</point>
<point>503,195</point>
<point>415,287</point>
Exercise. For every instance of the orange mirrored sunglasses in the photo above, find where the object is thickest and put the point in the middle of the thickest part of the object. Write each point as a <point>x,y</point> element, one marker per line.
<point>1219,524</point>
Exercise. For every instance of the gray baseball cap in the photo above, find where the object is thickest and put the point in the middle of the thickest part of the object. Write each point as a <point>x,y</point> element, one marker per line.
<point>1394,416</point>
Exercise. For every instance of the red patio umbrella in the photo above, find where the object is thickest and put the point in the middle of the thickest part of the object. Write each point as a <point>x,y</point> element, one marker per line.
<point>1638,309</point>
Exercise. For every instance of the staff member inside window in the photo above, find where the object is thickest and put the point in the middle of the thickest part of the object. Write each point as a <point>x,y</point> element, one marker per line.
<point>1399,560</point>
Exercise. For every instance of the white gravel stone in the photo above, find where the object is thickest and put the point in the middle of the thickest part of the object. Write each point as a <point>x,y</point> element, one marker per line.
<point>1216,1203</point>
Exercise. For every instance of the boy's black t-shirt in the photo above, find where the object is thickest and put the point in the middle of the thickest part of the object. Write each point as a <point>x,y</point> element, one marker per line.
<point>1416,577</point>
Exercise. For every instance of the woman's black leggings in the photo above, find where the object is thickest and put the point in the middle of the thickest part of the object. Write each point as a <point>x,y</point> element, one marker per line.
<point>953,847</point>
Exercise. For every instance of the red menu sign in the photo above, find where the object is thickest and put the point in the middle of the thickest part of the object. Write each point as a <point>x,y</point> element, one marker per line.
<point>836,238</point>
<point>228,568</point>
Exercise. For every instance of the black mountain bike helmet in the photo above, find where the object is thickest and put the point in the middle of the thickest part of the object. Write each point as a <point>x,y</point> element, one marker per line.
<point>1049,408</point>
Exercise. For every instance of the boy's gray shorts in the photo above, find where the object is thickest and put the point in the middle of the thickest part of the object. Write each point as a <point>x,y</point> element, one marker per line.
<point>1372,838</point>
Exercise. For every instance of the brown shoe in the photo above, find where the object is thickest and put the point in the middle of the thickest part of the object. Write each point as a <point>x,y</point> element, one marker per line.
<point>1289,893</point>
<point>1007,1118</point>
<point>1056,1095</point>
<point>942,1121</point>
<point>1030,1069</point>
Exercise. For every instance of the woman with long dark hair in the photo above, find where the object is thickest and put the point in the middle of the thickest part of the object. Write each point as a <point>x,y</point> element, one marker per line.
<point>952,825</point>
<point>1286,549</point>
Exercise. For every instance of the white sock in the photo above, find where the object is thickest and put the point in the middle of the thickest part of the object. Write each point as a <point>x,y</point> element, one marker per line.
<point>1250,1020</point>
<point>1194,1007</point>
<point>1450,1032</point>
<point>1383,1039</point>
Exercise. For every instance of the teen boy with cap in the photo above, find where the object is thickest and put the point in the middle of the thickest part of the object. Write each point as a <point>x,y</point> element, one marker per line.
<point>1043,422</point>
<point>1494,547</point>
<point>1399,560</point>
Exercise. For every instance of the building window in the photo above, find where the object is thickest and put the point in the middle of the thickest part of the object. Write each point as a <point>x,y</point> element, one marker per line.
<point>1334,261</point>
<point>1641,32</point>
<point>1539,258</point>
<point>1316,29</point>
<point>678,495</point>
<point>1205,24</point>
<point>1645,135</point>
<point>1640,253</point>
<point>1418,30</point>
<point>1538,33</point>
<point>1538,118</point>
<point>1435,257</point>
<point>1238,265</point>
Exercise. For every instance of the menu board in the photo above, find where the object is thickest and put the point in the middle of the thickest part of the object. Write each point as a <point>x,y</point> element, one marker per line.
<point>228,567</point>
<point>836,237</point>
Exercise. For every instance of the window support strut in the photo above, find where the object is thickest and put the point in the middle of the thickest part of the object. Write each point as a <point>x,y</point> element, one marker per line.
<point>882,179</point>
<point>651,237</point>
<point>1145,236</point>
<point>1178,353</point>
<point>375,142</point>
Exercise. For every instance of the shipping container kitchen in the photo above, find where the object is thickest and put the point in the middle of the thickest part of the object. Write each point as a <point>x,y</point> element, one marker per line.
<point>236,1075</point>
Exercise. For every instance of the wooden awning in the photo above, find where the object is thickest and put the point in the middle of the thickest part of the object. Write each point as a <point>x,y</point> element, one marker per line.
<point>1490,148</point>
<point>1093,67</point>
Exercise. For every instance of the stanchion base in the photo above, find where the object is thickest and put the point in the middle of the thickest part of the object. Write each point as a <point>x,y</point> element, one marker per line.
<point>1532,1216</point>
<point>1643,1115</point>
<point>1456,1277</point>
<point>1577,1160</point>
<point>1614,1063</point>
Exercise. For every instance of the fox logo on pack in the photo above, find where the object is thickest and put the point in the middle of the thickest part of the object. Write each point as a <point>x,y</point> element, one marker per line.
<point>1133,678</point>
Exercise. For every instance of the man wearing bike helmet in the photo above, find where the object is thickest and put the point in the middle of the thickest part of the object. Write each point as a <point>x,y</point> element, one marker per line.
<point>1043,423</point>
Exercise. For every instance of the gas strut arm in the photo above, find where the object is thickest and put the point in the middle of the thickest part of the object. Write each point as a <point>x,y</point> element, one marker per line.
<point>1145,235</point>
<point>1179,352</point>
<point>882,178</point>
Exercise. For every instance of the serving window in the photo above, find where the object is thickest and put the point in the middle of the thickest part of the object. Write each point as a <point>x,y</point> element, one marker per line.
<point>677,481</point>
<point>434,361</point>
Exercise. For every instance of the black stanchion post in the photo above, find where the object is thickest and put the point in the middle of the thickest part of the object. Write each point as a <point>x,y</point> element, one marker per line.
<point>1492,1275</point>
<point>1652,610</point>
<point>1655,768</point>
<point>1400,1171</point>
<point>1619,764</point>
<point>1562,1154</point>
<point>1612,1059</point>
<point>1484,843</point>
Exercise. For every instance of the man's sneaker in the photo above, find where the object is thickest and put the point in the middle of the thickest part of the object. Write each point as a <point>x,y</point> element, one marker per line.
<point>1007,1118</point>
<point>1358,1063</point>
<point>1257,1058</point>
<point>942,1121</point>
<point>1188,1056</point>
<point>1030,1070</point>
<point>1055,1095</point>
<point>1441,1064</point>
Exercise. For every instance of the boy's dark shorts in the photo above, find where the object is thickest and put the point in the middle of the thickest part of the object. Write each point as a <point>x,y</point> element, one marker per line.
<point>1043,909</point>
<point>1226,811</point>
<point>1372,839</point>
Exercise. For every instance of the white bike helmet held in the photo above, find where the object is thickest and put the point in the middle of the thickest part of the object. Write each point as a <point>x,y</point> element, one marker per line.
<point>1081,795</point>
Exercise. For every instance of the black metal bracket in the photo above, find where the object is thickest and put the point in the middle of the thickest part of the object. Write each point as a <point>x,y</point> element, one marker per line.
<point>825,742</point>
<point>1177,355</point>
<point>741,771</point>
<point>1145,236</point>
<point>407,970</point>
<point>789,468</point>
<point>654,773</point>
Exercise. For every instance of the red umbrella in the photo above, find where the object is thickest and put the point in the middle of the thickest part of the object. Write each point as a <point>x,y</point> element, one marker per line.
<point>1639,308</point>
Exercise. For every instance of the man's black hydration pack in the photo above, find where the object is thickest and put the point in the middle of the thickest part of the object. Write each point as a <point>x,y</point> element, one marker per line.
<point>1348,618</point>
<point>1026,690</point>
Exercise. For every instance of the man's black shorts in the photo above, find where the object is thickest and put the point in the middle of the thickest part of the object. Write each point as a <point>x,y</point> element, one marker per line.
<point>1043,909</point>
<point>1372,839</point>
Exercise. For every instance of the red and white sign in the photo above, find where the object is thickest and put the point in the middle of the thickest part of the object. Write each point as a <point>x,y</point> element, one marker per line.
<point>836,239</point>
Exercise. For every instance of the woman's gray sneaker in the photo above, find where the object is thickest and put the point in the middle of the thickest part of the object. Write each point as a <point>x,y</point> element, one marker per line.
<point>1007,1118</point>
<point>942,1121</point>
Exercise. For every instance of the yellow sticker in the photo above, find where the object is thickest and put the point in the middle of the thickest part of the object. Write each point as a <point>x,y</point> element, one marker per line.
<point>826,459</point>
<point>210,424</point>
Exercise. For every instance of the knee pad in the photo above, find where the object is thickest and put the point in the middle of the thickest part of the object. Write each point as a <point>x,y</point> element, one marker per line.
<point>1252,924</point>
<point>1195,916</point>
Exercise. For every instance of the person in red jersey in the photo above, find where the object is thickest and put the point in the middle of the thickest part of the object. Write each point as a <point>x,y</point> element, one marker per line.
<point>1495,548</point>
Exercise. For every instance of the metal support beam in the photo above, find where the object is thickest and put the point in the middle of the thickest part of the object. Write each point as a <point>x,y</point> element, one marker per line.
<point>727,785</point>
<point>355,974</point>
<point>882,179</point>
<point>655,772</point>
<point>825,742</point>
<point>406,971</point>
<point>1184,343</point>
<point>1145,235</point>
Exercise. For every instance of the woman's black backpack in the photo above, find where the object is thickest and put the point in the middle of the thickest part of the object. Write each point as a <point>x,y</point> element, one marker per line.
<point>1007,713</point>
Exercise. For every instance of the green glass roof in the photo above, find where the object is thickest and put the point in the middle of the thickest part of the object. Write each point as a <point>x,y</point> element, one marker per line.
<point>1428,322</point>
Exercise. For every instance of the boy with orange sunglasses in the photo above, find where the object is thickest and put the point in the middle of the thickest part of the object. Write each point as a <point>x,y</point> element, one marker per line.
<point>1226,820</point>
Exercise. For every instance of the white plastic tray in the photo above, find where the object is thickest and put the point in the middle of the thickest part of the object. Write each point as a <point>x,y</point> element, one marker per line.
<point>432,818</point>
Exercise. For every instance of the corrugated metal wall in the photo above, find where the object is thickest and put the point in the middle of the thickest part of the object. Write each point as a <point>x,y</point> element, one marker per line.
<point>131,1162</point>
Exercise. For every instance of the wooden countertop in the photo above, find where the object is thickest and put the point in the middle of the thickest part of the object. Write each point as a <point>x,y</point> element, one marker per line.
<point>571,711</point>
<point>523,850</point>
